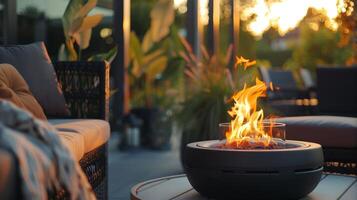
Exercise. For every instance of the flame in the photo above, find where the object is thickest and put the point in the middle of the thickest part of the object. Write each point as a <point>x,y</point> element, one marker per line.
<point>246,127</point>
<point>246,62</point>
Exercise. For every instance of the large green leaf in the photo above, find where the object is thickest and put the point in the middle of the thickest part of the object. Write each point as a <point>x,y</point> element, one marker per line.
<point>148,45</point>
<point>107,56</point>
<point>147,41</point>
<point>90,22</point>
<point>74,15</point>
<point>162,17</point>
<point>72,54</point>
<point>83,34</point>
<point>139,68</point>
<point>136,52</point>
<point>62,53</point>
<point>152,56</point>
<point>86,8</point>
<point>156,67</point>
<point>69,19</point>
<point>83,38</point>
<point>136,70</point>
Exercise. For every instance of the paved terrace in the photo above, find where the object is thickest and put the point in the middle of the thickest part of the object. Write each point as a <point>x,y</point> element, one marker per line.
<point>127,168</point>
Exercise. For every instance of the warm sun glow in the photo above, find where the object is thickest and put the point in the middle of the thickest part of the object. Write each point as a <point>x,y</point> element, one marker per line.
<point>181,6</point>
<point>285,15</point>
<point>246,127</point>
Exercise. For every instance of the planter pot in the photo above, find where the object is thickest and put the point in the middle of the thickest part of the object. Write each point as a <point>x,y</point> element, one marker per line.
<point>156,128</point>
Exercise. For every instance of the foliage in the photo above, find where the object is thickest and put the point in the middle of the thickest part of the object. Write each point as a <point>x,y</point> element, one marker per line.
<point>318,48</point>
<point>210,83</point>
<point>77,27</point>
<point>151,57</point>
<point>246,39</point>
<point>266,50</point>
<point>107,56</point>
<point>318,45</point>
<point>348,29</point>
<point>139,12</point>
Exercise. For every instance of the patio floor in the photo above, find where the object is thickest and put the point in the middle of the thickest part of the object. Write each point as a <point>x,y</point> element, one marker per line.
<point>127,168</point>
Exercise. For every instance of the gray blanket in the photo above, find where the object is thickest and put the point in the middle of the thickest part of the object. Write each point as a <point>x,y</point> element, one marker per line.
<point>45,165</point>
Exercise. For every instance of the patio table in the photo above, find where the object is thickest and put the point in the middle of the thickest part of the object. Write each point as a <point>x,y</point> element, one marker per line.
<point>331,187</point>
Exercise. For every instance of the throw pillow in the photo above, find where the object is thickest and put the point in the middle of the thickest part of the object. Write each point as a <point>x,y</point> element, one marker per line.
<point>34,64</point>
<point>14,88</point>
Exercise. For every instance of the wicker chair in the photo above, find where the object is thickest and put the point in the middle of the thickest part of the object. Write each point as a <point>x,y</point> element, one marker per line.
<point>86,89</point>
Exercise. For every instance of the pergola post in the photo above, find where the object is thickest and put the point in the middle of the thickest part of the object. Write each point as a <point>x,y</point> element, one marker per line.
<point>235,26</point>
<point>9,22</point>
<point>193,25</point>
<point>121,28</point>
<point>213,35</point>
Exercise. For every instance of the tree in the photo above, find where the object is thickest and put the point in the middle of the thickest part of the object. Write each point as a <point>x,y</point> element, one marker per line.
<point>348,28</point>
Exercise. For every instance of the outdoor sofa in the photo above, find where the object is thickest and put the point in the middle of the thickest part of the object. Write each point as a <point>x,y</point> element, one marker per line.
<point>85,131</point>
<point>334,125</point>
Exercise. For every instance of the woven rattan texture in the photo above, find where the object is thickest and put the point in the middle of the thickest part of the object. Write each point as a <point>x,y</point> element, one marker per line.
<point>85,86</point>
<point>340,160</point>
<point>94,165</point>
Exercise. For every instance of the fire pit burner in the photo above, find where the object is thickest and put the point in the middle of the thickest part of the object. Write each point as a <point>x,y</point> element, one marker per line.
<point>222,145</point>
<point>288,173</point>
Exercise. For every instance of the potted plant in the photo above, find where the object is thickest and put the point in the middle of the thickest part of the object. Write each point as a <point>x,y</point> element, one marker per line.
<point>77,29</point>
<point>210,81</point>
<point>154,61</point>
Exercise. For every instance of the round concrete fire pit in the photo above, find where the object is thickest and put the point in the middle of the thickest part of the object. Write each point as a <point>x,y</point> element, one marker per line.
<point>288,173</point>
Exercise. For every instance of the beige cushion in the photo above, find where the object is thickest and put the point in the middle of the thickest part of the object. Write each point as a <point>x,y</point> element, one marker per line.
<point>14,88</point>
<point>329,131</point>
<point>74,142</point>
<point>82,135</point>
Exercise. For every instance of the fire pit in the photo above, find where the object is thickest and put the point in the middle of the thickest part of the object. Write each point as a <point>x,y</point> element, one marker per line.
<point>254,161</point>
<point>288,173</point>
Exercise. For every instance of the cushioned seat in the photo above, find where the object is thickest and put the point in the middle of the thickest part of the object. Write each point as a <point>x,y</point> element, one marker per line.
<point>329,131</point>
<point>82,135</point>
<point>74,142</point>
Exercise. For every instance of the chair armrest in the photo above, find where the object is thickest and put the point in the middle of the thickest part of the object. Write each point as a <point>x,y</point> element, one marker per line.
<point>85,86</point>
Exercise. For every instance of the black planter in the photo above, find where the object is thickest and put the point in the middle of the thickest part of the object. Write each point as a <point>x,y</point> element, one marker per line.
<point>156,127</point>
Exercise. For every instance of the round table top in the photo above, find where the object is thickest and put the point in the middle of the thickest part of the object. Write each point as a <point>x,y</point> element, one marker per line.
<point>331,187</point>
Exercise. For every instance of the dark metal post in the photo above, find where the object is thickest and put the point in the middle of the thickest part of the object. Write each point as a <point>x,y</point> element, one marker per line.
<point>10,22</point>
<point>213,26</point>
<point>235,25</point>
<point>121,26</point>
<point>193,25</point>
